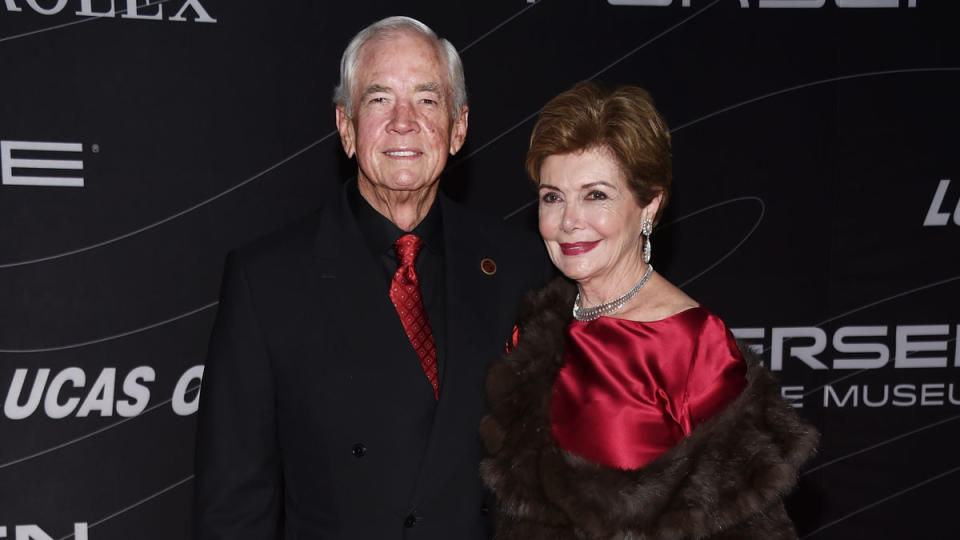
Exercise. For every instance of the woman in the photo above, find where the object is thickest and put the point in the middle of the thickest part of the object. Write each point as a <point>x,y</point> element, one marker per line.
<point>623,408</point>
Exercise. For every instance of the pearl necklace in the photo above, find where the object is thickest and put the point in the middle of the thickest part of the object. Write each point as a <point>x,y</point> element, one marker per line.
<point>591,313</point>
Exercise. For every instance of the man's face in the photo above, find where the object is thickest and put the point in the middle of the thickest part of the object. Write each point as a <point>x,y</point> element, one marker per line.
<point>401,130</point>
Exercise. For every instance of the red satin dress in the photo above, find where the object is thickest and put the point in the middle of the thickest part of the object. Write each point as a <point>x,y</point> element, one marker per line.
<point>630,390</point>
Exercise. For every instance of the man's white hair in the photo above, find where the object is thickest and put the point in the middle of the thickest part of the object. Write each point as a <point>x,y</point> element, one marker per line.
<point>384,28</point>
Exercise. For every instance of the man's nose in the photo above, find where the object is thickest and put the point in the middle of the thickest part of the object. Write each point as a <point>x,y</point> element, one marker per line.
<point>404,118</point>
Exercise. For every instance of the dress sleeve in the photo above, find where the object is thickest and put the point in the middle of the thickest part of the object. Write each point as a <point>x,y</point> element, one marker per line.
<point>717,374</point>
<point>511,343</point>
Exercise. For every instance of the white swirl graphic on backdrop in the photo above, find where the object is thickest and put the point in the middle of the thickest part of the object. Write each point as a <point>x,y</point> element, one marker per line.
<point>80,21</point>
<point>93,341</point>
<point>129,507</point>
<point>763,211</point>
<point>86,436</point>
<point>318,141</point>
<point>816,83</point>
<point>594,76</point>
<point>167,321</point>
<point>881,501</point>
<point>172,217</point>
<point>487,144</point>
<point>110,337</point>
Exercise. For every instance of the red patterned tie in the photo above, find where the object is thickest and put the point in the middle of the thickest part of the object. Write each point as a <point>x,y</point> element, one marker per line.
<point>405,293</point>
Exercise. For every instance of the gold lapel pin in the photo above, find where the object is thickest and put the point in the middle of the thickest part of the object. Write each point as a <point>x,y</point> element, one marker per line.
<point>488,266</point>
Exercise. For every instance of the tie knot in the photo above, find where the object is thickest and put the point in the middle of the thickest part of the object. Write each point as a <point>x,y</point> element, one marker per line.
<point>407,247</point>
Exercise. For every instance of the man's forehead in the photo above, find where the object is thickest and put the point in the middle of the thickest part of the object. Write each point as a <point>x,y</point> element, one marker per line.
<point>387,53</point>
<point>431,86</point>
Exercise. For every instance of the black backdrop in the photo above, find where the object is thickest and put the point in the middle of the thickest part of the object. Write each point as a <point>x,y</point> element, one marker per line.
<point>816,209</point>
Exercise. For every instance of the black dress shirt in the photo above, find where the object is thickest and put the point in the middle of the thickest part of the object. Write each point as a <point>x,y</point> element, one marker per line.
<point>380,233</point>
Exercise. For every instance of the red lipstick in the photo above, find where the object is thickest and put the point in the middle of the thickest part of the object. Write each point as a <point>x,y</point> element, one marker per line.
<point>578,248</point>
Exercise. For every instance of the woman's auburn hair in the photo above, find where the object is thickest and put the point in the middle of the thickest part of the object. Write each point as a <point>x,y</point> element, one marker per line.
<point>622,122</point>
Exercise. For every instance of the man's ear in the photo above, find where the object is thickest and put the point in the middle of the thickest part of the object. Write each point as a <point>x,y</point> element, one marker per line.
<point>459,132</point>
<point>348,134</point>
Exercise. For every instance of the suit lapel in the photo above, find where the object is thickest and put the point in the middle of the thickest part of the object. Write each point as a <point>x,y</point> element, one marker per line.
<point>353,282</point>
<point>471,310</point>
<point>359,291</point>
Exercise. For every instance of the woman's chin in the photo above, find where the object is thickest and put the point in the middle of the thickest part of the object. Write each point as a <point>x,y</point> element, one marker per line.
<point>574,273</point>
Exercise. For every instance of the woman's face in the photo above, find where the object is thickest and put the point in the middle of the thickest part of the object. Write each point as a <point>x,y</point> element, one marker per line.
<point>589,218</point>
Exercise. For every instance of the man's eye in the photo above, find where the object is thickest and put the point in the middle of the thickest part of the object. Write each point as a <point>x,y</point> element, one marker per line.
<point>429,101</point>
<point>378,100</point>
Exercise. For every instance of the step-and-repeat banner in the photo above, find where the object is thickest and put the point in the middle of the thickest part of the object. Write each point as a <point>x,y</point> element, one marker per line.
<point>816,209</point>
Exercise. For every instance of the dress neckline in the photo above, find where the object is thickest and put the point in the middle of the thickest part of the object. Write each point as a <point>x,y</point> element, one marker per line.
<point>612,319</point>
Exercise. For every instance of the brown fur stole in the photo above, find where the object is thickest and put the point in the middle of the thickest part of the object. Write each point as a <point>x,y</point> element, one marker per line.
<point>725,480</point>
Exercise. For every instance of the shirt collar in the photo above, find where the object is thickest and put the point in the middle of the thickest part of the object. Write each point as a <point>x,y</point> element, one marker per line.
<point>380,233</point>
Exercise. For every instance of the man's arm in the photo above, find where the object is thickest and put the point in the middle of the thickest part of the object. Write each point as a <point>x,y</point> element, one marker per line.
<point>238,487</point>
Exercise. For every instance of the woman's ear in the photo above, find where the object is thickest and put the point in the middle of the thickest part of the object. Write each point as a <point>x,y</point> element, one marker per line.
<point>651,210</point>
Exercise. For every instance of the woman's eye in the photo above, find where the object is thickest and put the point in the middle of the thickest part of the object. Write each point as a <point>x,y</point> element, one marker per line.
<point>550,197</point>
<point>596,195</point>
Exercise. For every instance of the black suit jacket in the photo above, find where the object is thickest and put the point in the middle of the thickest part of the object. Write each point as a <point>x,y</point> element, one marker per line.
<point>316,420</point>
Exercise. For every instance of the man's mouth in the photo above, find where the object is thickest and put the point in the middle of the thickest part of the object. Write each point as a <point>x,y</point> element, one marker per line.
<point>402,153</point>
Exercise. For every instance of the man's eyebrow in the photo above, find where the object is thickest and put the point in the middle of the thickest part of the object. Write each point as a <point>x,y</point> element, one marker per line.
<point>428,87</point>
<point>374,89</point>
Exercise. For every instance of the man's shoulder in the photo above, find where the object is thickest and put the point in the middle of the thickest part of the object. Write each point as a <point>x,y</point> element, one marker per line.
<point>492,228</point>
<point>513,245</point>
<point>292,238</point>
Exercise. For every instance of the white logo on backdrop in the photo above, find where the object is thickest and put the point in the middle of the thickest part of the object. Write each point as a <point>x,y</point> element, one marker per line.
<point>779,3</point>
<point>8,162</point>
<point>937,214</point>
<point>34,532</point>
<point>190,10</point>
<point>862,348</point>
<point>79,392</point>
<point>868,345</point>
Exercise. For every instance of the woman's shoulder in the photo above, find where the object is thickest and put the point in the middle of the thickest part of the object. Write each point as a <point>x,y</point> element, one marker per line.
<point>552,302</point>
<point>535,346</point>
<point>661,300</point>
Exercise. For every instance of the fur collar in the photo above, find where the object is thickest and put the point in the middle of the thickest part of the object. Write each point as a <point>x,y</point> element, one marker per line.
<point>727,476</point>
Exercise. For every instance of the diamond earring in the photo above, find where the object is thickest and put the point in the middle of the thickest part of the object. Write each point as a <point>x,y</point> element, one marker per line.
<point>646,230</point>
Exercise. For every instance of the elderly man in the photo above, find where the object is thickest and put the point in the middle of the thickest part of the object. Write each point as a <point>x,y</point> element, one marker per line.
<point>344,383</point>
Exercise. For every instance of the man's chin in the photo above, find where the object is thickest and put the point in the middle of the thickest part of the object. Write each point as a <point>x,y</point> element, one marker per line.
<point>407,185</point>
<point>400,187</point>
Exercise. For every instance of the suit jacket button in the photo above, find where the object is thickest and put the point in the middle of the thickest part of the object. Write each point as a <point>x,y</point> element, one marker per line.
<point>410,521</point>
<point>359,450</point>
